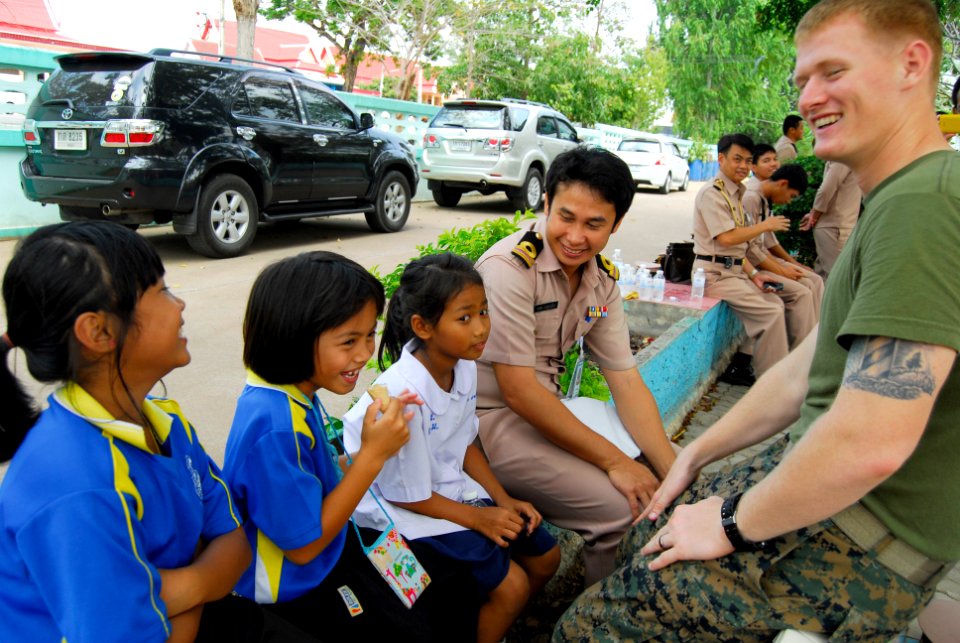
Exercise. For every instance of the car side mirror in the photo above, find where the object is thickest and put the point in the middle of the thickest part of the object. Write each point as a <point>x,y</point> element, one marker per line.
<point>366,120</point>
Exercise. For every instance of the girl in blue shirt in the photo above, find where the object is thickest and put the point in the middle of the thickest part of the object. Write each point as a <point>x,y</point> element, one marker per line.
<point>310,325</point>
<point>440,486</point>
<point>114,523</point>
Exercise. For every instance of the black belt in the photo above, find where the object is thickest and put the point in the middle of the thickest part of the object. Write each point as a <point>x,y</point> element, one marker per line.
<point>728,262</point>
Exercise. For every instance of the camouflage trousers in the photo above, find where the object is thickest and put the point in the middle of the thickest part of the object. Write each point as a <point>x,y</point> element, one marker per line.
<point>815,580</point>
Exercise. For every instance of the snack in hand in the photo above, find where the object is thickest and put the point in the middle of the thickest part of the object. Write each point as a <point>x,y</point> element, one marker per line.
<point>380,392</point>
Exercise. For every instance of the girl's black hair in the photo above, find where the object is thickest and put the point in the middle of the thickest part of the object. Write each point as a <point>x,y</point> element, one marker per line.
<point>292,302</point>
<point>427,284</point>
<point>58,273</point>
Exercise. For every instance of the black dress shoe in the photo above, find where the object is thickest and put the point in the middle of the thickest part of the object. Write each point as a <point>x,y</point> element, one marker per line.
<point>739,375</point>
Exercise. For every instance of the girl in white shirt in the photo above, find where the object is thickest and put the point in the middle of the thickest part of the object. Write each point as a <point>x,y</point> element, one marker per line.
<point>440,486</point>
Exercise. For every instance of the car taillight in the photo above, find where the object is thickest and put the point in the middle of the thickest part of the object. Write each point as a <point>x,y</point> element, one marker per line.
<point>430,140</point>
<point>31,135</point>
<point>131,132</point>
<point>661,161</point>
<point>494,144</point>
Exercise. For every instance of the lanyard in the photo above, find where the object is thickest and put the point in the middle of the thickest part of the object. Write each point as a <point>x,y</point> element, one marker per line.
<point>574,389</point>
<point>739,222</point>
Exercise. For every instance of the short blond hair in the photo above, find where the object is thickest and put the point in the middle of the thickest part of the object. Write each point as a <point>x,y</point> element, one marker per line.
<point>909,18</point>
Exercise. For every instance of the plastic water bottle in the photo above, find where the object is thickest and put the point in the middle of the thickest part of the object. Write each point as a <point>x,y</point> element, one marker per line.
<point>617,257</point>
<point>627,281</point>
<point>472,498</point>
<point>699,282</point>
<point>659,286</point>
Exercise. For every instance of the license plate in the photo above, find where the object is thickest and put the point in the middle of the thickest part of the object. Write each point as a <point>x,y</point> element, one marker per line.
<point>460,146</point>
<point>70,139</point>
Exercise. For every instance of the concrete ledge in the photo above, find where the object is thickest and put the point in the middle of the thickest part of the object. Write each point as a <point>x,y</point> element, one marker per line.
<point>694,343</point>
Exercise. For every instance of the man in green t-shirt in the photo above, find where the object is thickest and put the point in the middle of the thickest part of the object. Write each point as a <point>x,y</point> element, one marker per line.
<point>846,527</point>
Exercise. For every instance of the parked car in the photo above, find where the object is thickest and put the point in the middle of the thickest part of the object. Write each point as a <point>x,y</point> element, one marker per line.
<point>215,146</point>
<point>494,145</point>
<point>655,162</point>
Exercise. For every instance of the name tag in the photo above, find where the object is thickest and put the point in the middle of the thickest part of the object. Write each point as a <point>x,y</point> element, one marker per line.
<point>550,305</point>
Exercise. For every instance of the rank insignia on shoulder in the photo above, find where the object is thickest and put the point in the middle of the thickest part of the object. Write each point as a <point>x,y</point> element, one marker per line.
<point>529,248</point>
<point>607,266</point>
<point>718,184</point>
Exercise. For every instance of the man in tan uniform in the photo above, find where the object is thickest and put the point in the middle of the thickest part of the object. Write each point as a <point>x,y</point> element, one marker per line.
<point>778,188</point>
<point>787,144</point>
<point>835,212</point>
<point>541,284</point>
<point>774,322</point>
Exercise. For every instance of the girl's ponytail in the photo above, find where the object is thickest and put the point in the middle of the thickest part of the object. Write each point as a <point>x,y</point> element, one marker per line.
<point>396,330</point>
<point>19,411</point>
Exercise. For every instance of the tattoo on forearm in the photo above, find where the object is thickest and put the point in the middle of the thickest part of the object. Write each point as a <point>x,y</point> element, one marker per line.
<point>893,368</point>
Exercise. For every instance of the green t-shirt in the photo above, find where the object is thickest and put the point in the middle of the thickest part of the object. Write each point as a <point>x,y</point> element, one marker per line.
<point>899,276</point>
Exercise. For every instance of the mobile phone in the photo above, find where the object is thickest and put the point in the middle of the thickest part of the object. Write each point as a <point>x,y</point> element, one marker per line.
<point>772,286</point>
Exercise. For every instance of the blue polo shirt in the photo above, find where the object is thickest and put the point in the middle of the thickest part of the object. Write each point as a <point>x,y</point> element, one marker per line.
<point>88,515</point>
<point>280,468</point>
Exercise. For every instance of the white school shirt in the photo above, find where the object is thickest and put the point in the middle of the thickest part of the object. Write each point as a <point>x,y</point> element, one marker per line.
<point>432,461</point>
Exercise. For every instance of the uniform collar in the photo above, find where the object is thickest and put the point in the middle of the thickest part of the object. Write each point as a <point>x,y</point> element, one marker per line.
<point>733,188</point>
<point>547,261</point>
<point>290,390</point>
<point>74,399</point>
<point>436,399</point>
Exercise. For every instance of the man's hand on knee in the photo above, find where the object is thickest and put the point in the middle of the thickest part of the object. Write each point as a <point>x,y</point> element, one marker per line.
<point>635,481</point>
<point>694,532</point>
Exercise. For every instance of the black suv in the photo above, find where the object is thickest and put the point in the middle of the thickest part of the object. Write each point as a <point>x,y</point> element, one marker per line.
<point>213,144</point>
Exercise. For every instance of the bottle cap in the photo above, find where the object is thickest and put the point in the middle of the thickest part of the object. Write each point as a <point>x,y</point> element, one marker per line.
<point>469,496</point>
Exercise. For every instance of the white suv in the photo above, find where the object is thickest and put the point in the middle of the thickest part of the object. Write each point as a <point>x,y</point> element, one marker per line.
<point>493,145</point>
<point>655,162</point>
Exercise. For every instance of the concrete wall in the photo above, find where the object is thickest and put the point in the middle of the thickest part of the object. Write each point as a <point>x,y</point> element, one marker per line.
<point>694,343</point>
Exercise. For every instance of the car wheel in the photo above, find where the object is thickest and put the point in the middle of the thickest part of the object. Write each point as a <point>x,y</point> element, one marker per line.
<point>529,196</point>
<point>686,182</point>
<point>447,197</point>
<point>665,188</point>
<point>227,216</point>
<point>392,206</point>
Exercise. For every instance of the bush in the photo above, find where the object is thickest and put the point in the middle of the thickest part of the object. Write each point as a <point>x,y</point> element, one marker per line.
<point>800,244</point>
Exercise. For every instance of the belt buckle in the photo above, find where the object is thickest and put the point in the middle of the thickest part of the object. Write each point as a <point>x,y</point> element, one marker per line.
<point>728,262</point>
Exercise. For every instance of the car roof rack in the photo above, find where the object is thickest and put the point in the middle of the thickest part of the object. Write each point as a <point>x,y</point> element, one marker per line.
<point>525,102</point>
<point>218,58</point>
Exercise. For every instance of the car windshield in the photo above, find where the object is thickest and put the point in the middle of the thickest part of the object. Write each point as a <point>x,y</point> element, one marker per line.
<point>470,117</point>
<point>639,146</point>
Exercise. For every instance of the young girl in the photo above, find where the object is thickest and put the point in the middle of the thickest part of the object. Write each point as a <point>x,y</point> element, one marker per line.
<point>441,489</point>
<point>310,325</point>
<point>114,522</point>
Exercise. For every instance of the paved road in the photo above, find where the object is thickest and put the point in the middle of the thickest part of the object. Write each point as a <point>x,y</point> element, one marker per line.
<point>216,291</point>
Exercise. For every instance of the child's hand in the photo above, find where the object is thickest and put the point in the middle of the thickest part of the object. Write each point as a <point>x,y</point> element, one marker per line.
<point>498,524</point>
<point>531,517</point>
<point>383,436</point>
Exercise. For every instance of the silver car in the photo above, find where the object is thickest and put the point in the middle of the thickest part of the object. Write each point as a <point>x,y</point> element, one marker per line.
<point>493,145</point>
<point>655,162</point>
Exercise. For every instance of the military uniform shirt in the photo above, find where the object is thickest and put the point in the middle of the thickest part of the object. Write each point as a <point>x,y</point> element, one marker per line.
<point>534,320</point>
<point>838,197</point>
<point>712,217</point>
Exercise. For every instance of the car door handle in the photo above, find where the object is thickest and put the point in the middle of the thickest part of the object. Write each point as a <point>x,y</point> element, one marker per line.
<point>320,139</point>
<point>246,133</point>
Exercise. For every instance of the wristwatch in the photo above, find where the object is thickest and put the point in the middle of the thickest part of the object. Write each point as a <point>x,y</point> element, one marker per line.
<point>728,519</point>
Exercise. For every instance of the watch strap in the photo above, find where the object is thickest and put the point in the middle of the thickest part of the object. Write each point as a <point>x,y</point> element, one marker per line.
<point>728,519</point>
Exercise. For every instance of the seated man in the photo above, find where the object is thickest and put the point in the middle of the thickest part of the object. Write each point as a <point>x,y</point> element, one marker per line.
<point>849,534</point>
<point>764,190</point>
<point>775,321</point>
<point>835,212</point>
<point>547,287</point>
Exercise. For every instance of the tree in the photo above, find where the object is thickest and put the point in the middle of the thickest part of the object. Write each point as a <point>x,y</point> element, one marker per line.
<point>246,11</point>
<point>723,74</point>
<point>354,27</point>
<point>784,15</point>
